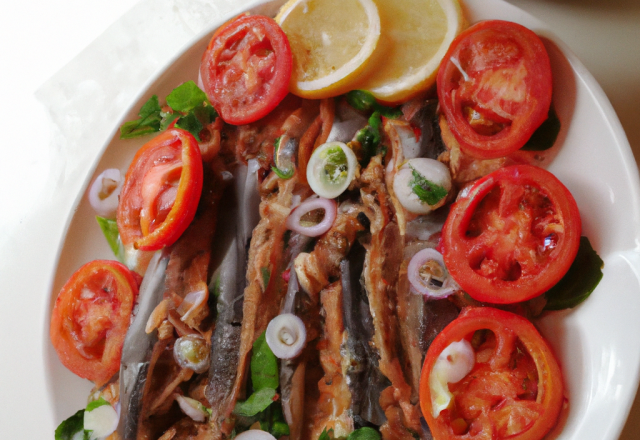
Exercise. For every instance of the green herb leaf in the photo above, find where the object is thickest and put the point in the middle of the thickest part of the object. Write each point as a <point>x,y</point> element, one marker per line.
<point>149,121</point>
<point>272,421</point>
<point>191,124</point>
<point>427,191</point>
<point>186,97</point>
<point>264,365</point>
<point>279,429</point>
<point>266,276</point>
<point>70,427</point>
<point>109,228</point>
<point>364,433</point>
<point>580,280</point>
<point>257,402</point>
<point>545,135</point>
<point>326,435</point>
<point>167,119</point>
<point>96,404</point>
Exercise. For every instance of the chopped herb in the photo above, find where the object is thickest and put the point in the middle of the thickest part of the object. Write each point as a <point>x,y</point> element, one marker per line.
<point>71,426</point>
<point>257,402</point>
<point>364,433</point>
<point>545,135</point>
<point>427,191</point>
<point>326,435</point>
<point>96,404</point>
<point>266,276</point>
<point>186,97</point>
<point>149,121</point>
<point>109,228</point>
<point>580,280</point>
<point>264,365</point>
<point>190,109</point>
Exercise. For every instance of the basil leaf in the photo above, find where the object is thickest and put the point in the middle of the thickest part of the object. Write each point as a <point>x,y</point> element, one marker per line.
<point>71,426</point>
<point>264,365</point>
<point>186,97</point>
<point>545,136</point>
<point>580,280</point>
<point>427,191</point>
<point>149,121</point>
<point>326,435</point>
<point>109,228</point>
<point>257,402</point>
<point>364,433</point>
<point>96,404</point>
<point>191,124</point>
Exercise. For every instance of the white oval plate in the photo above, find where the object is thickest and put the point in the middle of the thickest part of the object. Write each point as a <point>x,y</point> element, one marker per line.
<point>596,343</point>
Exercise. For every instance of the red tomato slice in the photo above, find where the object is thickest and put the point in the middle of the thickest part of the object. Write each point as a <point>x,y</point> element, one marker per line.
<point>91,317</point>
<point>513,236</point>
<point>161,191</point>
<point>513,391</point>
<point>494,86</point>
<point>246,68</point>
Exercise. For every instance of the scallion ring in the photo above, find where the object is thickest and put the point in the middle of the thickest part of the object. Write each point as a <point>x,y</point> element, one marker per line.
<point>331,169</point>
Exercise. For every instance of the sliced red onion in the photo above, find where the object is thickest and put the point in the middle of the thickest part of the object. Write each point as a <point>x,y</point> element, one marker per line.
<point>286,336</point>
<point>191,351</point>
<point>255,434</point>
<point>330,211</point>
<point>104,192</point>
<point>428,274</point>
<point>101,421</point>
<point>192,408</point>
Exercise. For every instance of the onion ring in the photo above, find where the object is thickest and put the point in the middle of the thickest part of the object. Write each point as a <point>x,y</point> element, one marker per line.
<point>330,211</point>
<point>425,284</point>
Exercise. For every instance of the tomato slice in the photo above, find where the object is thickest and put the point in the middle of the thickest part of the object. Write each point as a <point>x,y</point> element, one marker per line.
<point>494,87</point>
<point>90,319</point>
<point>161,191</point>
<point>246,68</point>
<point>513,236</point>
<point>514,390</point>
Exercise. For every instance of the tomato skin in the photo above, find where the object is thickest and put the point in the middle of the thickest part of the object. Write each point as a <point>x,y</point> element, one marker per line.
<point>509,85</point>
<point>90,319</point>
<point>515,246</point>
<point>246,68</point>
<point>161,191</point>
<point>507,328</point>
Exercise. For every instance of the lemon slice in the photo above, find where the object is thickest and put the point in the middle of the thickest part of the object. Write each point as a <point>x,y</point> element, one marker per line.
<point>415,36</point>
<point>331,42</point>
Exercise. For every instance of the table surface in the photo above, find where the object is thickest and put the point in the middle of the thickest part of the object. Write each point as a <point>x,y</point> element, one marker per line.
<point>41,37</point>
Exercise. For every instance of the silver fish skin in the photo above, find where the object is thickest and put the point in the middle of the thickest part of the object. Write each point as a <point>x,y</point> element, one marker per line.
<point>137,347</point>
<point>238,217</point>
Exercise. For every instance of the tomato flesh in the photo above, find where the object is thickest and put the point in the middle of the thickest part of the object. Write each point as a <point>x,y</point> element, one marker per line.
<point>494,87</point>
<point>90,319</point>
<point>161,191</point>
<point>513,237</point>
<point>246,69</point>
<point>514,390</point>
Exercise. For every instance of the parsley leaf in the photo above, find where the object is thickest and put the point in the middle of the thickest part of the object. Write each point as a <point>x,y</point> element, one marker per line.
<point>71,426</point>
<point>96,404</point>
<point>186,97</point>
<point>427,191</point>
